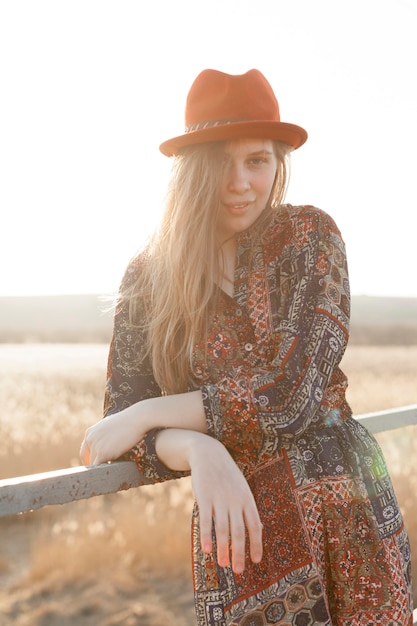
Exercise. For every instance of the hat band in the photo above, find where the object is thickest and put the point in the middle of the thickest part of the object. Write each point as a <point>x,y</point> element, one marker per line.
<point>211,124</point>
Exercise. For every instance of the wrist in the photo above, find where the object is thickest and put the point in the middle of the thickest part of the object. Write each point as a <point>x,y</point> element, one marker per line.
<point>147,414</point>
<point>179,449</point>
<point>199,445</point>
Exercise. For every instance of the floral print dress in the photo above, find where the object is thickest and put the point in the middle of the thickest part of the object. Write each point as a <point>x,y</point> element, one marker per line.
<point>335,548</point>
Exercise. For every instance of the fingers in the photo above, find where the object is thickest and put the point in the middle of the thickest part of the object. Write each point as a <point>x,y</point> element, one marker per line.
<point>206,526</point>
<point>93,449</point>
<point>85,453</point>
<point>251,523</point>
<point>255,527</point>
<point>220,520</point>
<point>231,536</point>
<point>87,456</point>
<point>223,534</point>
<point>238,541</point>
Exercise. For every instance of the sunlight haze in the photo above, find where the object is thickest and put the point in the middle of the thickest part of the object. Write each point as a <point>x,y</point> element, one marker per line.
<point>90,88</point>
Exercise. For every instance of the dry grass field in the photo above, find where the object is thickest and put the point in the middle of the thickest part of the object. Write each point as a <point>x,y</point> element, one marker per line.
<point>124,559</point>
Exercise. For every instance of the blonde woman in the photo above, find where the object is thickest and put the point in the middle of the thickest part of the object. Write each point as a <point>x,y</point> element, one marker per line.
<point>224,364</point>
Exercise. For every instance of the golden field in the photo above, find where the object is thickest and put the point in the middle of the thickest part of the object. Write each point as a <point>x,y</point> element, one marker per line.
<point>124,559</point>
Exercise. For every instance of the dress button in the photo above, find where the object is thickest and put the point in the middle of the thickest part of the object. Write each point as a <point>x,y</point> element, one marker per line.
<point>248,347</point>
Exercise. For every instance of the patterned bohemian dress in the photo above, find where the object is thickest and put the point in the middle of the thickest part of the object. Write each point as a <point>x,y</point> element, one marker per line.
<point>335,548</point>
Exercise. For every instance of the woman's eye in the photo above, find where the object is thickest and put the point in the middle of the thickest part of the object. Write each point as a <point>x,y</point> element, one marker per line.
<point>257,161</point>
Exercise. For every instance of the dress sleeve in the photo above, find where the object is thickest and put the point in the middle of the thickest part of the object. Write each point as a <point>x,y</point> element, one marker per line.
<point>251,409</point>
<point>130,380</point>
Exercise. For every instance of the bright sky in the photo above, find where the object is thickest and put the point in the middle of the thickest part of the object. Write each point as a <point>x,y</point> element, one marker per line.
<point>89,88</point>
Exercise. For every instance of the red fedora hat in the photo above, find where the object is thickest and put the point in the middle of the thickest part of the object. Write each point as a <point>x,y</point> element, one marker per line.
<point>224,106</point>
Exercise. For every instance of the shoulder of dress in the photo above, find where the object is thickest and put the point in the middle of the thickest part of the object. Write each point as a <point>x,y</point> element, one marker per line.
<point>306,216</point>
<point>302,211</point>
<point>294,228</point>
<point>133,269</point>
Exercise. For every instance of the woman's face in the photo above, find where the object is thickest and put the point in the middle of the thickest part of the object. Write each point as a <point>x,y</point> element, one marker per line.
<point>250,166</point>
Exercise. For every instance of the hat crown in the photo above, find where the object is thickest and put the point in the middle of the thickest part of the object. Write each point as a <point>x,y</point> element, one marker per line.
<point>218,97</point>
<point>226,107</point>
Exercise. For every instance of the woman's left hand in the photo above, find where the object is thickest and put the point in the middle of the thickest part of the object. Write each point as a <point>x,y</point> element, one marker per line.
<point>116,434</point>
<point>109,438</point>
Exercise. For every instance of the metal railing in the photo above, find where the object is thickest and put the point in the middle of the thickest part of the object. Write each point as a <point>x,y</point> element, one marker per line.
<point>27,493</point>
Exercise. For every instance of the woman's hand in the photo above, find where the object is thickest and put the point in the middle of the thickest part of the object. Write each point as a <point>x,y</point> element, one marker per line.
<point>222,494</point>
<point>111,437</point>
<point>224,497</point>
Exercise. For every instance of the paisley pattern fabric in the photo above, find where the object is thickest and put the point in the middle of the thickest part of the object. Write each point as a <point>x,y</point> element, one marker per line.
<point>335,548</point>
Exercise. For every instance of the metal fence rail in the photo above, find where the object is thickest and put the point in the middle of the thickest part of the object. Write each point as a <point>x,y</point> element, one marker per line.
<point>27,493</point>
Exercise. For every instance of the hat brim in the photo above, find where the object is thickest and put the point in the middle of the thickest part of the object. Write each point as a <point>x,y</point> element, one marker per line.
<point>290,134</point>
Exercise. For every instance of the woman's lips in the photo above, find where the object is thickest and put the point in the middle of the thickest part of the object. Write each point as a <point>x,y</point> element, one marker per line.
<point>237,208</point>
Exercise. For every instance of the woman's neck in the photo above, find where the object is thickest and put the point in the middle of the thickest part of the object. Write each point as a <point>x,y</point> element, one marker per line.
<point>227,261</point>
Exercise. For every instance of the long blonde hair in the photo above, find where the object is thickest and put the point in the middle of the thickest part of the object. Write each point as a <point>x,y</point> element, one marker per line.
<point>176,286</point>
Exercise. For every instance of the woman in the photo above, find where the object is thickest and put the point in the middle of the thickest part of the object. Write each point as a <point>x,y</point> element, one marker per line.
<point>224,363</point>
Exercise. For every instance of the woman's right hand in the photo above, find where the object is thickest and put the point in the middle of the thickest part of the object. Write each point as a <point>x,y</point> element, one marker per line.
<point>222,494</point>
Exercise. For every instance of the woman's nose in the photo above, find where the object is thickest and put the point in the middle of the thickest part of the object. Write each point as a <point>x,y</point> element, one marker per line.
<point>237,179</point>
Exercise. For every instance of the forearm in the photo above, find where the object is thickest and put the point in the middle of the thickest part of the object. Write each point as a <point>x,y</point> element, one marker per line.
<point>184,410</point>
<point>110,438</point>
